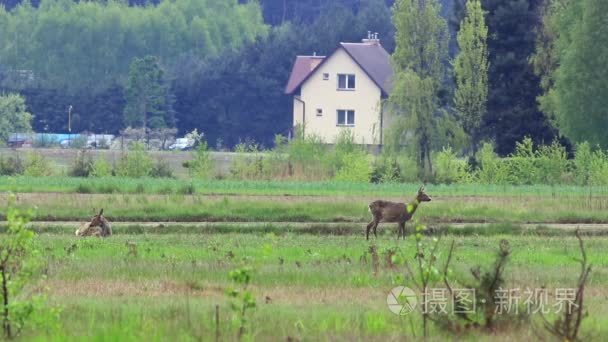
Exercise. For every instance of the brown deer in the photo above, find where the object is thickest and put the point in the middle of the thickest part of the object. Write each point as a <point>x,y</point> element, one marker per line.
<point>98,226</point>
<point>385,211</point>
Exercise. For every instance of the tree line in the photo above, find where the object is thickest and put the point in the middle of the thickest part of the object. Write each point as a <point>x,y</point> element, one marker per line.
<point>224,65</point>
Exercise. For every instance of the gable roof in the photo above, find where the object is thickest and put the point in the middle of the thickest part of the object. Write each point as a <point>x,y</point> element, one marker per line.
<point>302,67</point>
<point>371,57</point>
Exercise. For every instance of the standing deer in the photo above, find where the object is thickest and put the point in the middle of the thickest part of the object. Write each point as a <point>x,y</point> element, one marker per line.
<point>385,211</point>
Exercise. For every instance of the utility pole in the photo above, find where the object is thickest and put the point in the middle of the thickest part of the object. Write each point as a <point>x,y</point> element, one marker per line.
<point>70,126</point>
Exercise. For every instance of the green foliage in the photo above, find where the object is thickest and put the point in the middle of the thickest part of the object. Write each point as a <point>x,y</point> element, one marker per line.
<point>11,165</point>
<point>201,166</point>
<point>14,117</point>
<point>161,169</point>
<point>249,162</point>
<point>355,167</point>
<point>492,170</point>
<point>101,168</point>
<point>513,88</point>
<point>37,165</point>
<point>147,95</point>
<point>135,163</point>
<point>581,80</point>
<point>471,70</point>
<point>421,49</point>
<point>82,166</point>
<point>449,169</point>
<point>244,300</point>
<point>20,262</point>
<point>102,38</point>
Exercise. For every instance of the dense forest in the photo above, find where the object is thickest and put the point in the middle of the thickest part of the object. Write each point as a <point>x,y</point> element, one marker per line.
<point>221,65</point>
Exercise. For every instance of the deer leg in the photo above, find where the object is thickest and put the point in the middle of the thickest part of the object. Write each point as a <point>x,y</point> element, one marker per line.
<point>369,227</point>
<point>402,229</point>
<point>375,226</point>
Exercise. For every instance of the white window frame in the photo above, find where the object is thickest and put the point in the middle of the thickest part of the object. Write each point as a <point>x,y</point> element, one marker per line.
<point>347,79</point>
<point>346,123</point>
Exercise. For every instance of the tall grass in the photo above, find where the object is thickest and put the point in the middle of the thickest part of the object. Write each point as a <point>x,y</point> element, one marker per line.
<point>121,185</point>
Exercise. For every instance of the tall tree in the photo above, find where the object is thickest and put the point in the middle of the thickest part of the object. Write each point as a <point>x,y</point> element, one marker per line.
<point>512,112</point>
<point>418,61</point>
<point>147,95</point>
<point>581,80</point>
<point>471,71</point>
<point>14,118</point>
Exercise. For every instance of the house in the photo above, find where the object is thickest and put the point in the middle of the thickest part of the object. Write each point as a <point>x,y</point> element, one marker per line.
<point>342,91</point>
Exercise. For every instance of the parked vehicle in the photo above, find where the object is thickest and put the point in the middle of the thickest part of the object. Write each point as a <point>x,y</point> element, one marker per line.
<point>182,144</point>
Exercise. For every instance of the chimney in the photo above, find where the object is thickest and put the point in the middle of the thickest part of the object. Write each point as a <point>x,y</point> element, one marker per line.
<point>372,38</point>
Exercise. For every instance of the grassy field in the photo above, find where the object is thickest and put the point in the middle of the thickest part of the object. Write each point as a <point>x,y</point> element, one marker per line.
<point>245,208</point>
<point>307,287</point>
<point>314,277</point>
<point>117,185</point>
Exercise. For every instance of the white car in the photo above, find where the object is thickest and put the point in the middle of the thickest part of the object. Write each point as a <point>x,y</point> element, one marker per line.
<point>181,144</point>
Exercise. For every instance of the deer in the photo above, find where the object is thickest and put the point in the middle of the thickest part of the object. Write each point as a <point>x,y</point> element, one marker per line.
<point>98,226</point>
<point>386,211</point>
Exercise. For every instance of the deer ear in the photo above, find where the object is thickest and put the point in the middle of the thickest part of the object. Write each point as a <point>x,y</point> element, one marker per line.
<point>101,212</point>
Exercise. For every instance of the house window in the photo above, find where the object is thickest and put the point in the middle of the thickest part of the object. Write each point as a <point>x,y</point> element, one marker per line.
<point>325,76</point>
<point>346,117</point>
<point>346,81</point>
<point>319,112</point>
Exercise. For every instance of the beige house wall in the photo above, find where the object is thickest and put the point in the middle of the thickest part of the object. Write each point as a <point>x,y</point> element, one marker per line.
<point>318,93</point>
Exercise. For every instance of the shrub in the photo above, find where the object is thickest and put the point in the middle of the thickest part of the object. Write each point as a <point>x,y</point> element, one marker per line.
<point>161,169</point>
<point>11,165</point>
<point>450,169</point>
<point>101,168</point>
<point>82,166</point>
<point>36,165</point>
<point>201,166</point>
<point>355,168</point>
<point>20,263</point>
<point>492,169</point>
<point>552,163</point>
<point>136,163</point>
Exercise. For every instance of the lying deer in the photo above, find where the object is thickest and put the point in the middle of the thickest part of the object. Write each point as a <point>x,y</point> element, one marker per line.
<point>385,211</point>
<point>98,226</point>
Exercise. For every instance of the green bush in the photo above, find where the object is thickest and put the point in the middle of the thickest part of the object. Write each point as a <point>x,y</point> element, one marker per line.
<point>355,167</point>
<point>11,165</point>
<point>492,169</point>
<point>449,169</point>
<point>101,168</point>
<point>82,166</point>
<point>161,169</point>
<point>136,163</point>
<point>552,163</point>
<point>36,165</point>
<point>249,162</point>
<point>201,166</point>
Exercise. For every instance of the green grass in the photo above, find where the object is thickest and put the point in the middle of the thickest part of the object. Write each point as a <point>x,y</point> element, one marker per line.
<point>320,287</point>
<point>230,187</point>
<point>117,207</point>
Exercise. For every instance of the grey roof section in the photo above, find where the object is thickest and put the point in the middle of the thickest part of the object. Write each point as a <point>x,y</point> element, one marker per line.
<point>375,61</point>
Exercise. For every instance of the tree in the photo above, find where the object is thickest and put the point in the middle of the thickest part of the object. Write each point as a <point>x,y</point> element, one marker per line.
<point>14,118</point>
<point>512,111</point>
<point>418,61</point>
<point>580,95</point>
<point>147,95</point>
<point>471,71</point>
